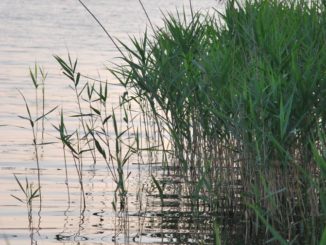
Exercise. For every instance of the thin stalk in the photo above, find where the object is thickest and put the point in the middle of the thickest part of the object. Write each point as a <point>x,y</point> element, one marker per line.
<point>147,16</point>
<point>103,28</point>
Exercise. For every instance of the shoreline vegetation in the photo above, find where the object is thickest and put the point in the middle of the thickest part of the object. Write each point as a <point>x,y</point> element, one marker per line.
<point>242,95</point>
<point>232,104</point>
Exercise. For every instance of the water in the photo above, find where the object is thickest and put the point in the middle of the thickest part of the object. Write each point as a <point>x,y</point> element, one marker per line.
<point>33,31</point>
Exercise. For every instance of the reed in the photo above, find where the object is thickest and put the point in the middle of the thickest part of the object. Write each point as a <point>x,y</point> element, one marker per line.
<point>30,193</point>
<point>108,135</point>
<point>242,95</point>
<point>39,82</point>
<point>33,120</point>
<point>234,100</point>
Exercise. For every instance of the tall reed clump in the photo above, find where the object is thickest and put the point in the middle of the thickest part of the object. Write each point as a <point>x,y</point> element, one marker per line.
<point>243,97</point>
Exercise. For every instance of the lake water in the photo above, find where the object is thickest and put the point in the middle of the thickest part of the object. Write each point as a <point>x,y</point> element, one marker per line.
<point>33,31</point>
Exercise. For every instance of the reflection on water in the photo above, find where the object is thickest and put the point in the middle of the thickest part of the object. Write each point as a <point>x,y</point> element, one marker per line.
<point>148,218</point>
<point>34,31</point>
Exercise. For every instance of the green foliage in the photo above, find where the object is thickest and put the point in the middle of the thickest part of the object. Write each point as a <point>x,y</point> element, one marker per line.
<point>100,133</point>
<point>242,96</point>
<point>29,192</point>
<point>159,188</point>
<point>245,92</point>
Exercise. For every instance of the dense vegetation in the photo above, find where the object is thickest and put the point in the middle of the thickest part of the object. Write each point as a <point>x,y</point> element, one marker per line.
<point>242,95</point>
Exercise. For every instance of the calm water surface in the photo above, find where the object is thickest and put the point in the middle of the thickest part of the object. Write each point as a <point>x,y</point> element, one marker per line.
<point>33,31</point>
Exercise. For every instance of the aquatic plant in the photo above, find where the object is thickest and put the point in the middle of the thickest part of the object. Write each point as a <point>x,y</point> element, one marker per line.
<point>34,119</point>
<point>39,82</point>
<point>242,95</point>
<point>30,193</point>
<point>100,135</point>
<point>233,103</point>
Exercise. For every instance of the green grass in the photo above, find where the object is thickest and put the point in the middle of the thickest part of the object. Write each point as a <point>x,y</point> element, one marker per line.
<point>236,100</point>
<point>242,95</point>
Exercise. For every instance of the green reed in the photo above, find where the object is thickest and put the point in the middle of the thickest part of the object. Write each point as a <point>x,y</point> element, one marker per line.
<point>30,193</point>
<point>242,95</point>
<point>33,119</point>
<point>39,82</point>
<point>235,100</point>
<point>108,135</point>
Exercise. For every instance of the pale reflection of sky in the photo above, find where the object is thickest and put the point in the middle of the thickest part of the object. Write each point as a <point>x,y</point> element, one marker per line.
<point>33,31</point>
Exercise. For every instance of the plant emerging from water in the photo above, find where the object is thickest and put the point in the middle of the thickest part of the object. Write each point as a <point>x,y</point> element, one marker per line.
<point>243,98</point>
<point>33,120</point>
<point>30,193</point>
<point>99,134</point>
